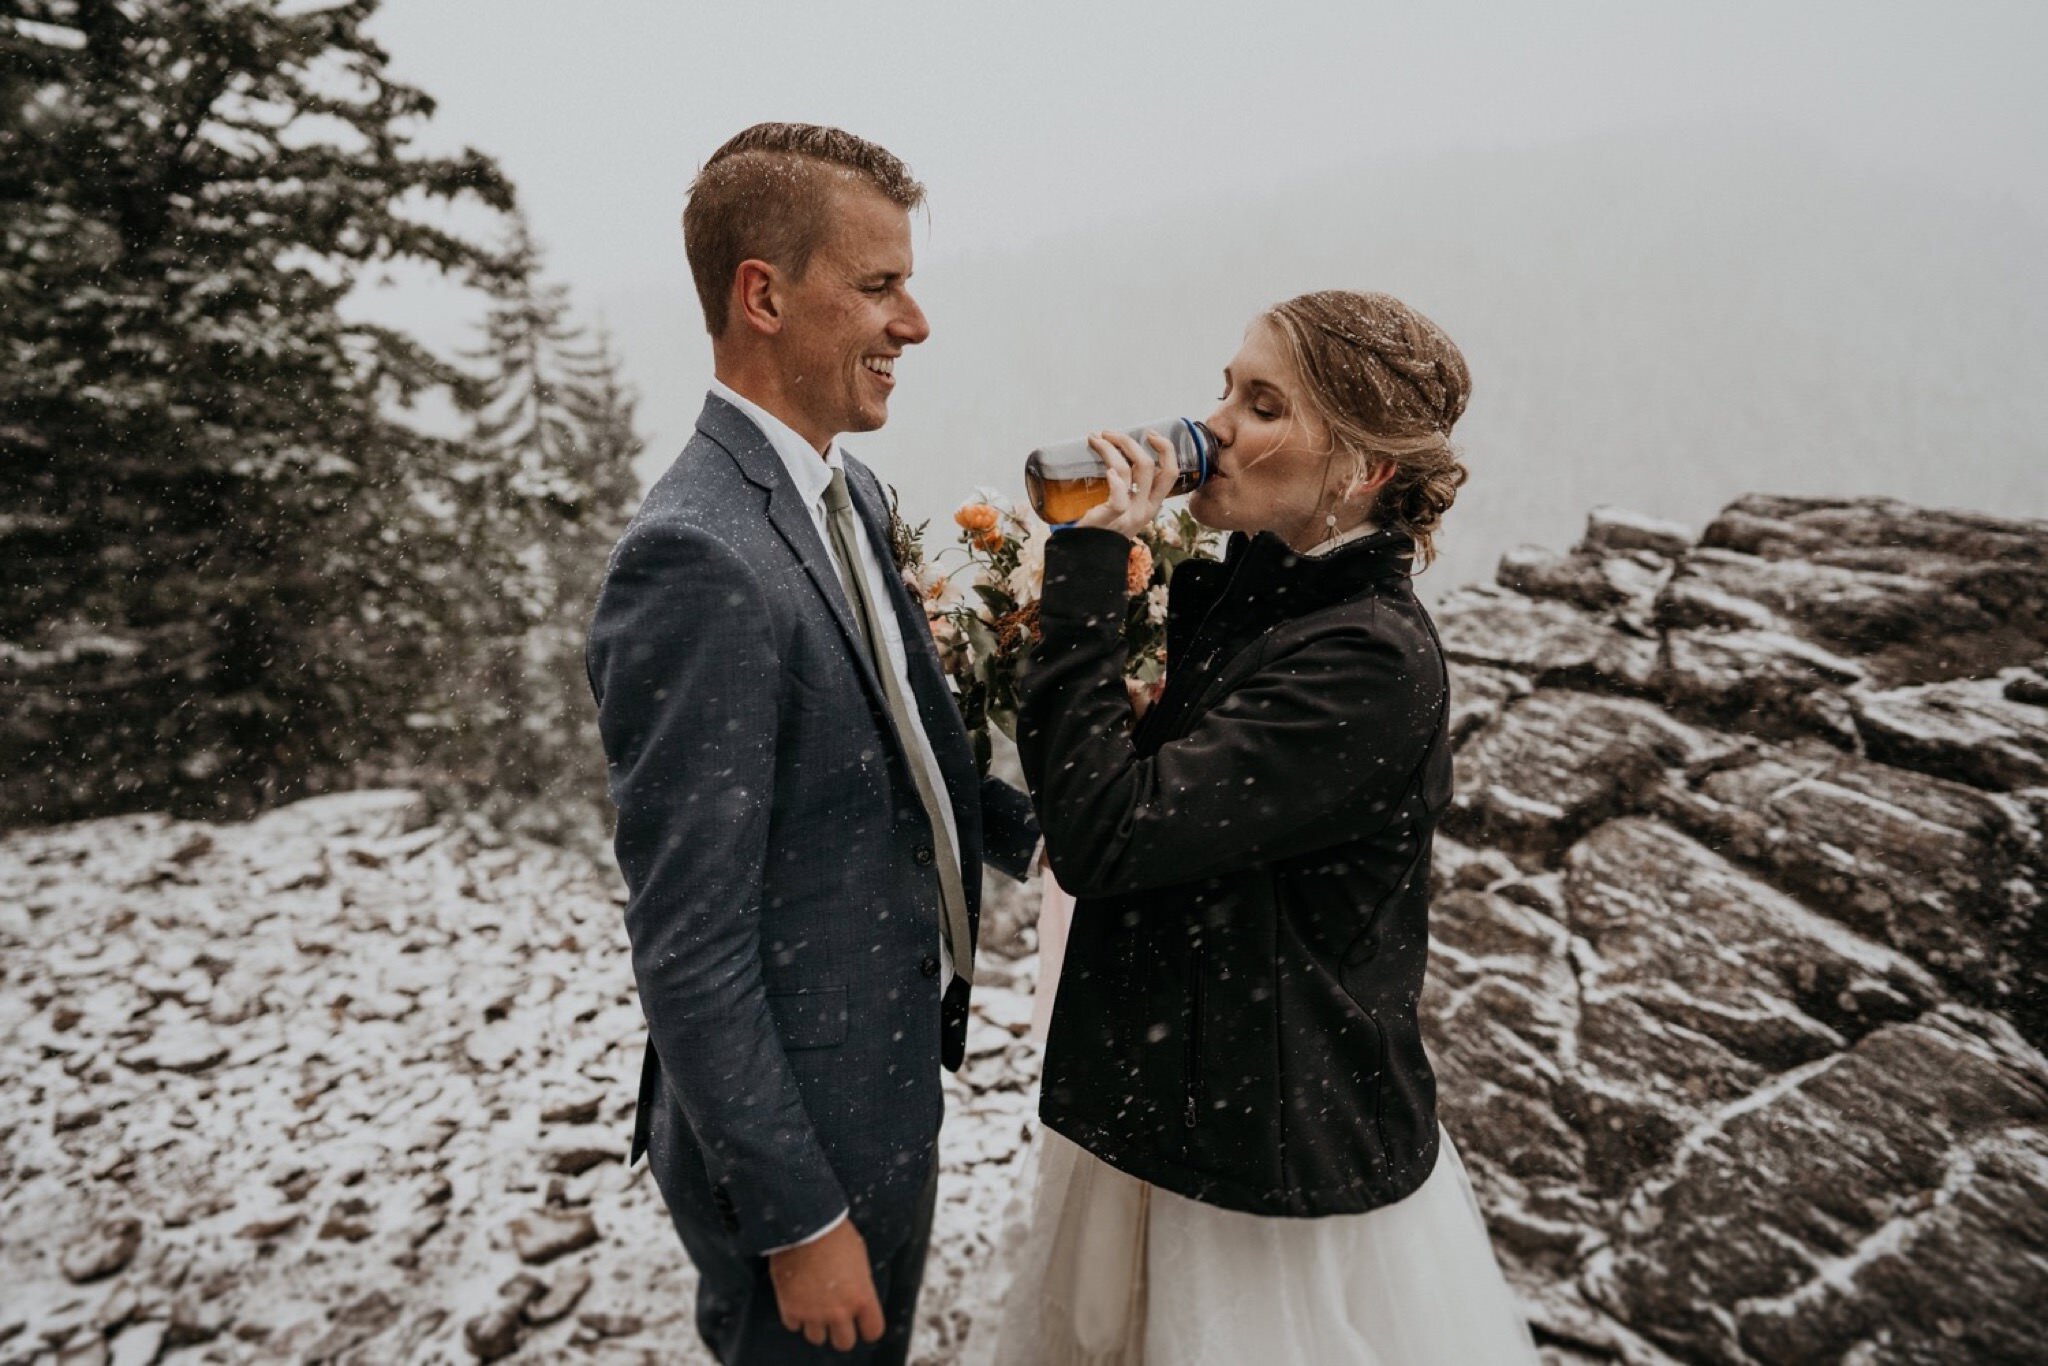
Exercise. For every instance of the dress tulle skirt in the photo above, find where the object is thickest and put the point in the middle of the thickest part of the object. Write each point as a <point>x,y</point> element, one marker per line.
<point>1113,1272</point>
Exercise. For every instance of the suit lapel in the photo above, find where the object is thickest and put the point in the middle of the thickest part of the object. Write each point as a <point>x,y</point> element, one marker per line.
<point>736,433</point>
<point>750,450</point>
<point>935,706</point>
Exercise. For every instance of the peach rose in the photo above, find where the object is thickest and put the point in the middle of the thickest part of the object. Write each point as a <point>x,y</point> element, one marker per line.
<point>977,517</point>
<point>1138,571</point>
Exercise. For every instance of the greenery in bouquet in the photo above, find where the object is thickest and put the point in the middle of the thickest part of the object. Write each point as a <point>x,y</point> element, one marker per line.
<point>981,599</point>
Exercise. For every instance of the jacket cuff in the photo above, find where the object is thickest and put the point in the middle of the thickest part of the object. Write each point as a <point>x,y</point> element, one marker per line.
<point>1085,573</point>
<point>806,1242</point>
<point>778,1210</point>
<point>1009,829</point>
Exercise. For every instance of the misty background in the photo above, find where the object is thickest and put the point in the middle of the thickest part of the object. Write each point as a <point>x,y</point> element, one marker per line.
<point>323,409</point>
<point>1690,252</point>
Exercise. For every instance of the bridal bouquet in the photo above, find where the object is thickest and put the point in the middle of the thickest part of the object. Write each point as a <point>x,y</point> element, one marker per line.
<point>981,599</point>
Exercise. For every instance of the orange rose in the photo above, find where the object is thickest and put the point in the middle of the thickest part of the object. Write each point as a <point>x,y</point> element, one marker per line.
<point>990,540</point>
<point>976,517</point>
<point>1138,571</point>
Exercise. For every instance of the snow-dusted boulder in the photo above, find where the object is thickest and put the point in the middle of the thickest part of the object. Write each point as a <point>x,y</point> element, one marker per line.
<point>1740,987</point>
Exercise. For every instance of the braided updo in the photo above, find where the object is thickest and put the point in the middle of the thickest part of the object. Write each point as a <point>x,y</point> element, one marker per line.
<point>1390,384</point>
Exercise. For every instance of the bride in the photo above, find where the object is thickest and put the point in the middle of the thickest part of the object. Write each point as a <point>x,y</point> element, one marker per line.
<point>1241,1157</point>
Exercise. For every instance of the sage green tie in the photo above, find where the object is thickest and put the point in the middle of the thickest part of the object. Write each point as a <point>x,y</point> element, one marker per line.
<point>846,551</point>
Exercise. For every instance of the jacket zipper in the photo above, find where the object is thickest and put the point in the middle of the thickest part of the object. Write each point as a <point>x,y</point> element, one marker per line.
<point>1194,1044</point>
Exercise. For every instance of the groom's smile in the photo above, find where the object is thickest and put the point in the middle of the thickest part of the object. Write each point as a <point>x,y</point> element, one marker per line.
<point>883,368</point>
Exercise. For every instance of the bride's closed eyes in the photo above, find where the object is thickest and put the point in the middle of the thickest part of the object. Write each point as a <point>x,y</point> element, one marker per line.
<point>1261,406</point>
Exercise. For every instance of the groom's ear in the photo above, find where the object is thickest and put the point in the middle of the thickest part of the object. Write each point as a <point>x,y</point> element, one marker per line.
<point>755,286</point>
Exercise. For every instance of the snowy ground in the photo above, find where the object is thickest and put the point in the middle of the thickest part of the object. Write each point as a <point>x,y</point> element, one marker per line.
<point>342,1085</point>
<point>339,1086</point>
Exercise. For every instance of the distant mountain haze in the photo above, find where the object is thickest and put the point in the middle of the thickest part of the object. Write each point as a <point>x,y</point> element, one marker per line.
<point>1659,322</point>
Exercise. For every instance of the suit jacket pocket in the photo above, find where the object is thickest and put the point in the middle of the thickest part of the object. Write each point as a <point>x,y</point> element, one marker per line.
<point>811,1018</point>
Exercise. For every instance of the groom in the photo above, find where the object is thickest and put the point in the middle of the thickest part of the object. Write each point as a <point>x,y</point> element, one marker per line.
<point>800,822</point>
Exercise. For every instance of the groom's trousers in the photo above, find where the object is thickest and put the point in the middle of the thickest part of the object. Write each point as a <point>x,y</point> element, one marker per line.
<point>737,1315</point>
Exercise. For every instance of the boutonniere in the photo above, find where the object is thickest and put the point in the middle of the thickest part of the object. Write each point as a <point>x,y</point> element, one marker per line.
<point>906,542</point>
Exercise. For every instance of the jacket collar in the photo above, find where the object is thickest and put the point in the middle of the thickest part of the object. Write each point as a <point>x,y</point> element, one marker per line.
<point>811,474</point>
<point>1263,573</point>
<point>790,514</point>
<point>749,446</point>
<point>1215,607</point>
<point>1261,581</point>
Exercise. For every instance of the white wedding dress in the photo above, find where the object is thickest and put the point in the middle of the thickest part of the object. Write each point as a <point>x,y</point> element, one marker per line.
<point>1414,1283</point>
<point>1110,1271</point>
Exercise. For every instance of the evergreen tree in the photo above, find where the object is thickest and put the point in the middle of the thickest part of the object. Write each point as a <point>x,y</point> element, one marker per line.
<point>604,408</point>
<point>554,444</point>
<point>229,569</point>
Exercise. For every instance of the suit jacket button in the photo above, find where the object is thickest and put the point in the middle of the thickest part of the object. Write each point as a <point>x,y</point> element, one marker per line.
<point>929,965</point>
<point>923,856</point>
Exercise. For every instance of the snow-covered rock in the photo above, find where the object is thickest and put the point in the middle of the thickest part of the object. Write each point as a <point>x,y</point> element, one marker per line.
<point>1739,987</point>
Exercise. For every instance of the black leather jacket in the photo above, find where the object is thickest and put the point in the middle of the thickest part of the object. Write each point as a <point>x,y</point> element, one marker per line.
<point>1236,1019</point>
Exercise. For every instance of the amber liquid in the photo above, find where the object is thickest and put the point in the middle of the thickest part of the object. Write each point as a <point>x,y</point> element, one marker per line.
<point>1064,500</point>
<point>1058,501</point>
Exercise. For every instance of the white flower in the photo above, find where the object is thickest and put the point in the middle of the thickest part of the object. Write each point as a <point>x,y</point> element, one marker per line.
<point>1155,604</point>
<point>1027,581</point>
<point>929,584</point>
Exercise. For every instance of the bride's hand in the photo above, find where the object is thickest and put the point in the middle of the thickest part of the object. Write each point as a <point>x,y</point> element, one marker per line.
<point>1139,481</point>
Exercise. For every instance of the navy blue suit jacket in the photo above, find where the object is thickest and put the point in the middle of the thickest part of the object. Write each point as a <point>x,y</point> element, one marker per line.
<point>784,905</point>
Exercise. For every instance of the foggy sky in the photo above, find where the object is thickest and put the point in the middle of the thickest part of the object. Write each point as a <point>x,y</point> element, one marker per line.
<point>1047,132</point>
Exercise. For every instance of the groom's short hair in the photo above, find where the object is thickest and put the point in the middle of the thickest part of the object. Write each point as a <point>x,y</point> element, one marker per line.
<point>766,195</point>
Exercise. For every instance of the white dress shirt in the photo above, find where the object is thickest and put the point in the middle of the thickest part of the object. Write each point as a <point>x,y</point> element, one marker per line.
<point>812,475</point>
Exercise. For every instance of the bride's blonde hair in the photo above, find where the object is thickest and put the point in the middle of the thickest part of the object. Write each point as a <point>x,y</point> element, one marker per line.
<point>1391,385</point>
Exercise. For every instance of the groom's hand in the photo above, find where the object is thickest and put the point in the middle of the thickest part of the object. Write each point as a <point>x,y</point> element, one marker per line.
<point>826,1291</point>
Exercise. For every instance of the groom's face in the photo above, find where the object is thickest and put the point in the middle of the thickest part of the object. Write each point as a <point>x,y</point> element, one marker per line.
<point>850,317</point>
